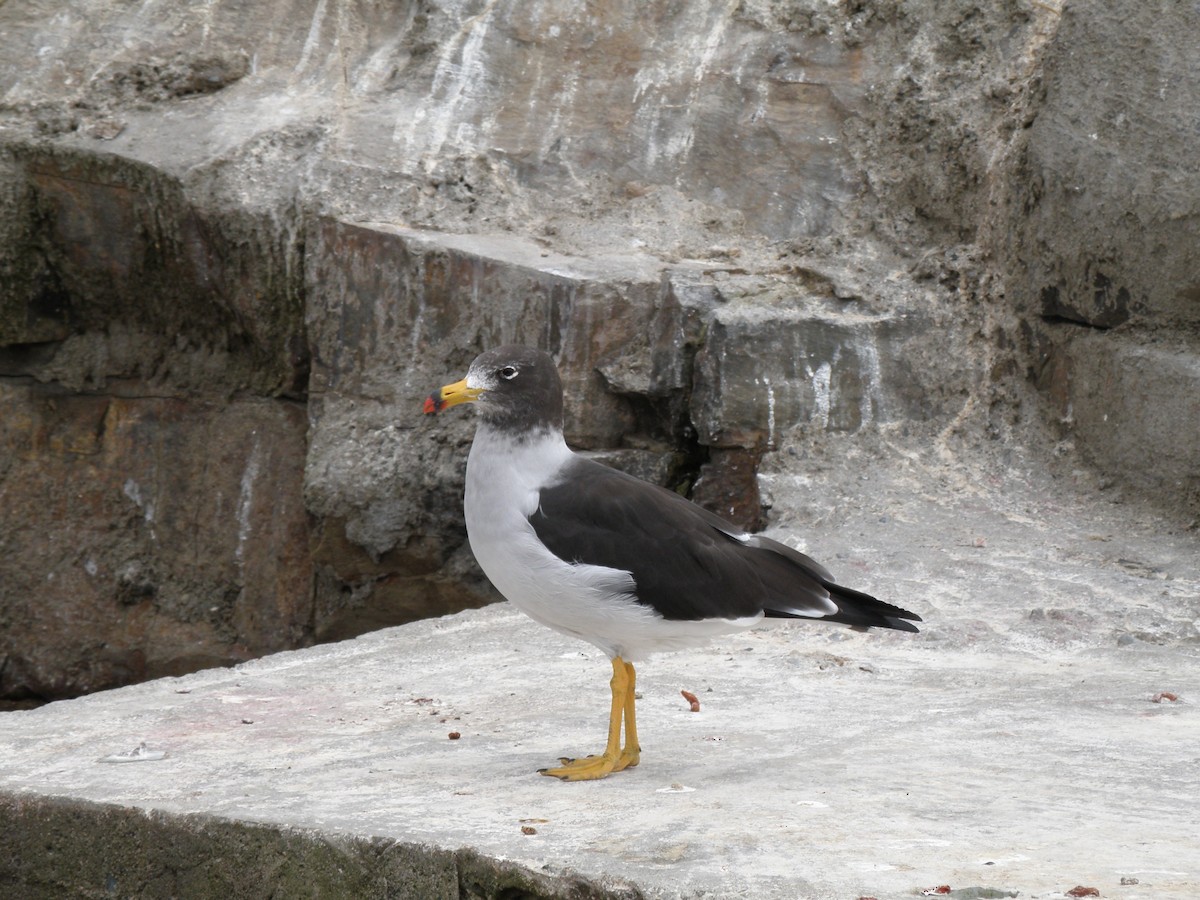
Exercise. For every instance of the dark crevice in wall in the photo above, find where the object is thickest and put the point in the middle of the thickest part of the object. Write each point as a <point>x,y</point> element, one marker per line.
<point>1066,320</point>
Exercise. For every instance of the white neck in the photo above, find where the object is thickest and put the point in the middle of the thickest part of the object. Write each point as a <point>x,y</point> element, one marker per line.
<point>506,472</point>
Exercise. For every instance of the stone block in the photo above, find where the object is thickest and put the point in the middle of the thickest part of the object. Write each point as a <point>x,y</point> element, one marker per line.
<point>1108,212</point>
<point>146,536</point>
<point>771,364</point>
<point>728,485</point>
<point>1132,407</point>
<point>110,243</point>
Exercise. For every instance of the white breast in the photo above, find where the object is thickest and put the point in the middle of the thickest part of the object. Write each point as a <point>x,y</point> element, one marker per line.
<point>594,603</point>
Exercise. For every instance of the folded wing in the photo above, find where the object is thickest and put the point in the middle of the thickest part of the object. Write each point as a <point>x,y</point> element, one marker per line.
<point>689,564</point>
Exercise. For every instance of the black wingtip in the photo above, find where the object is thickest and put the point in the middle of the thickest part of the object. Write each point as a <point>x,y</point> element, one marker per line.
<point>862,611</point>
<point>898,624</point>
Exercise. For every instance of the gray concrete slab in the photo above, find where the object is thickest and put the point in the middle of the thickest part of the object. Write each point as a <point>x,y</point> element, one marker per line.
<point>1015,744</point>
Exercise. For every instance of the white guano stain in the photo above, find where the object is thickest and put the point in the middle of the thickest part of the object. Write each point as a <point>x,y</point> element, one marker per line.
<point>314,37</point>
<point>418,324</point>
<point>770,413</point>
<point>133,491</point>
<point>459,78</point>
<point>713,41</point>
<point>822,381</point>
<point>872,400</point>
<point>670,137</point>
<point>246,498</point>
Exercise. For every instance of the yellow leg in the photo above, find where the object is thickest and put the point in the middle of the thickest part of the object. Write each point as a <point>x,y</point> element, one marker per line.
<point>631,752</point>
<point>615,757</point>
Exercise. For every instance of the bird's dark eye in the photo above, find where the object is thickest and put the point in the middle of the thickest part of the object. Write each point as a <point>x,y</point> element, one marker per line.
<point>508,373</point>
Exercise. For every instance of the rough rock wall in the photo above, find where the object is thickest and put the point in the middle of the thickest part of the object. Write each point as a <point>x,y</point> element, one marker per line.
<point>1111,196</point>
<point>1097,239</point>
<point>240,242</point>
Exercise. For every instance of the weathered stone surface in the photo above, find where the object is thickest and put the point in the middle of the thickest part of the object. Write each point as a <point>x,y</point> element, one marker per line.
<point>469,113</point>
<point>146,536</point>
<point>1111,188</point>
<point>386,297</point>
<point>145,339</point>
<point>1100,229</point>
<point>773,363</point>
<point>1112,392</point>
<point>728,485</point>
<point>213,294</point>
<point>557,96</point>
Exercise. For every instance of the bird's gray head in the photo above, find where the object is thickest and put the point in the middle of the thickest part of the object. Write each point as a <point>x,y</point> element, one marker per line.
<point>515,388</point>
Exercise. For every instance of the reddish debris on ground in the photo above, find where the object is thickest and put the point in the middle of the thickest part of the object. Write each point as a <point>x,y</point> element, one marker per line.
<point>1081,891</point>
<point>1164,695</point>
<point>934,891</point>
<point>691,699</point>
<point>454,735</point>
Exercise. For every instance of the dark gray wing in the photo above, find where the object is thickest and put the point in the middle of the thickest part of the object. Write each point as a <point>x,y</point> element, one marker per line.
<point>686,562</point>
